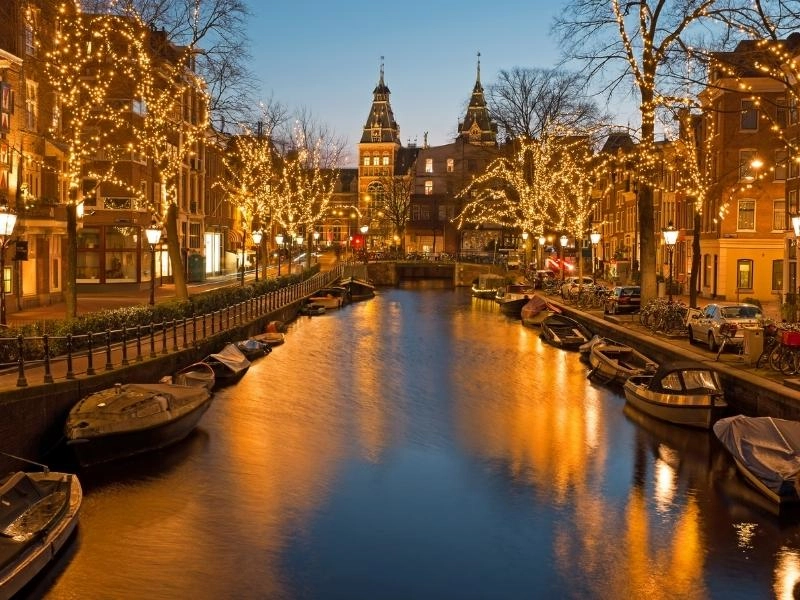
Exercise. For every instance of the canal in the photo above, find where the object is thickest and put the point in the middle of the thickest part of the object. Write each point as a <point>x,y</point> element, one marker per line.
<point>421,445</point>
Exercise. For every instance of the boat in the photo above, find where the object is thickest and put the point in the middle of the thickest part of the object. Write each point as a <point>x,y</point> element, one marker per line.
<point>487,284</point>
<point>514,290</point>
<point>614,362</point>
<point>564,332</point>
<point>253,348</point>
<point>312,309</point>
<point>197,374</point>
<point>358,289</point>
<point>766,452</point>
<point>512,306</point>
<point>229,364</point>
<point>330,297</point>
<point>536,310</point>
<point>38,513</point>
<point>133,418</point>
<point>682,393</point>
<point>273,338</point>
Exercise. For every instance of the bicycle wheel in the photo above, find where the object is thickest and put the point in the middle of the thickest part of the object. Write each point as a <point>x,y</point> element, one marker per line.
<point>788,361</point>
<point>763,358</point>
<point>774,359</point>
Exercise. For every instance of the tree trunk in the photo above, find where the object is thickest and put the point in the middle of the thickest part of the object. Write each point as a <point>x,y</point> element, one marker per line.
<point>695,276</point>
<point>647,240</point>
<point>174,251</point>
<point>71,285</point>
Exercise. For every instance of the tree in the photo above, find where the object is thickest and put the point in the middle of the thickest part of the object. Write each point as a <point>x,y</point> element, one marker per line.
<point>527,102</point>
<point>647,40</point>
<point>84,73</point>
<point>396,192</point>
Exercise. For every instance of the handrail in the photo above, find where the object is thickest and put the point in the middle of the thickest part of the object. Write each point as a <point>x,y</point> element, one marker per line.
<point>120,343</point>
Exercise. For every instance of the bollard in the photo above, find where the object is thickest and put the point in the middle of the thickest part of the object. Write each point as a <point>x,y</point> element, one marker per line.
<point>89,357</point>
<point>109,364</point>
<point>70,372</point>
<point>21,381</point>
<point>48,376</point>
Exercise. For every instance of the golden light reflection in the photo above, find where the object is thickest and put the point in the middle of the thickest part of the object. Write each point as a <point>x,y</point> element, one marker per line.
<point>745,532</point>
<point>787,574</point>
<point>665,485</point>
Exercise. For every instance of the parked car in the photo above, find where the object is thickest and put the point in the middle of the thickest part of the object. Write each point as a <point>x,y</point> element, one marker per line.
<point>623,299</point>
<point>571,284</point>
<point>718,322</point>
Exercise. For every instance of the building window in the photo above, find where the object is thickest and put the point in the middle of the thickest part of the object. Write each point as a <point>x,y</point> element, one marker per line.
<point>781,157</point>
<point>429,165</point>
<point>366,161</point>
<point>780,113</point>
<point>31,104</point>
<point>749,120</point>
<point>793,208</point>
<point>376,135</point>
<point>777,275</point>
<point>779,215</point>
<point>428,187</point>
<point>746,172</point>
<point>194,235</point>
<point>746,220</point>
<point>450,165</point>
<point>31,25</point>
<point>744,274</point>
<point>706,270</point>
<point>385,160</point>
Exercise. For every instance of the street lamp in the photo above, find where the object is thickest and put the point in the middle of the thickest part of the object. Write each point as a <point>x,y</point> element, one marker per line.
<point>257,241</point>
<point>279,243</point>
<point>153,235</point>
<point>525,249</point>
<point>316,242</point>
<point>364,230</point>
<point>8,219</point>
<point>299,241</point>
<point>595,239</point>
<point>564,240</point>
<point>244,239</point>
<point>670,239</point>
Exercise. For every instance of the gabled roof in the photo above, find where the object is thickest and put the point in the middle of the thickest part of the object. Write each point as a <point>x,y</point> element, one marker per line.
<point>380,125</point>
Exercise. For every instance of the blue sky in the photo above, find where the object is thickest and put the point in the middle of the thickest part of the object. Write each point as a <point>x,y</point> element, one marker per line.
<point>325,56</point>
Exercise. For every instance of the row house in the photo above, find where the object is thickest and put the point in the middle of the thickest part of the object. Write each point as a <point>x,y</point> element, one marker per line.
<point>743,224</point>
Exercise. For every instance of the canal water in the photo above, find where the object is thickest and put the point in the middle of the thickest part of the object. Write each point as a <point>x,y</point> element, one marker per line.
<point>422,445</point>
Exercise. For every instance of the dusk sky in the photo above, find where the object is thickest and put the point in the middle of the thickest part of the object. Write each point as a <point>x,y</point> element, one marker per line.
<point>326,56</point>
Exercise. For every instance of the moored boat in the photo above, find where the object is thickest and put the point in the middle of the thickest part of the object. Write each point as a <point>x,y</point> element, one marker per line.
<point>253,348</point>
<point>38,512</point>
<point>487,284</point>
<point>229,364</point>
<point>197,374</point>
<point>133,418</point>
<point>273,338</point>
<point>684,393</point>
<point>614,362</point>
<point>512,306</point>
<point>330,297</point>
<point>564,332</point>
<point>766,452</point>
<point>536,310</point>
<point>358,289</point>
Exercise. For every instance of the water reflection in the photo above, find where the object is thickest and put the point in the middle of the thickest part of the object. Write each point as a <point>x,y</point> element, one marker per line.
<point>422,445</point>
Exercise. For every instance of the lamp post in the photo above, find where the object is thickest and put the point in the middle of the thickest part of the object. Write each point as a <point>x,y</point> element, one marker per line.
<point>244,239</point>
<point>542,241</point>
<point>257,241</point>
<point>670,239</point>
<point>153,235</point>
<point>299,241</point>
<point>595,239</point>
<point>316,243</point>
<point>563,240</point>
<point>525,250</point>
<point>8,219</point>
<point>279,243</point>
<point>364,230</point>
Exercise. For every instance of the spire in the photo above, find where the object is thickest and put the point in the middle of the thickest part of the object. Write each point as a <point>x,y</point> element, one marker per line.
<point>478,127</point>
<point>380,125</point>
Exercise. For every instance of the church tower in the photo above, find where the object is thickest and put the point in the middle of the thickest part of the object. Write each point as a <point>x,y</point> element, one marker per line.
<point>477,127</point>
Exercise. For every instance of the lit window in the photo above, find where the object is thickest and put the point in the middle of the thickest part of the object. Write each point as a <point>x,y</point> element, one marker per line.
<point>31,25</point>
<point>744,274</point>
<point>781,158</point>
<point>31,104</point>
<point>777,275</point>
<point>428,187</point>
<point>779,215</point>
<point>746,220</point>
<point>746,171</point>
<point>749,121</point>
<point>450,164</point>
<point>429,165</point>
<point>366,161</point>
<point>385,160</point>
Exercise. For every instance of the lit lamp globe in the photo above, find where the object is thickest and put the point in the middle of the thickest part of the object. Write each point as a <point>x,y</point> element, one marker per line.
<point>279,240</point>
<point>796,225</point>
<point>153,234</point>
<point>542,240</point>
<point>364,229</point>
<point>595,237</point>
<point>256,235</point>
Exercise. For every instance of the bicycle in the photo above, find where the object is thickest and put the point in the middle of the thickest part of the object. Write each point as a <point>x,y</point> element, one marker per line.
<point>770,343</point>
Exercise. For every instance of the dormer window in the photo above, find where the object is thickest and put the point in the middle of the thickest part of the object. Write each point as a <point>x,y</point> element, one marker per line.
<point>376,135</point>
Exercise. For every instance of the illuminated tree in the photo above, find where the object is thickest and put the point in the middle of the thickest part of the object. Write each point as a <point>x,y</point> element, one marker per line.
<point>646,40</point>
<point>396,192</point>
<point>84,74</point>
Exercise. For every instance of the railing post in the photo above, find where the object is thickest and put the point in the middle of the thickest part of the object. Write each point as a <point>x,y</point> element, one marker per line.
<point>48,376</point>
<point>175,347</point>
<point>227,317</point>
<point>204,327</point>
<point>152,340</point>
<point>221,312</point>
<point>109,364</point>
<point>185,340</point>
<point>21,381</point>
<point>70,372</point>
<point>164,336</point>
<point>89,357</point>
<point>124,346</point>
<point>213,324</point>
<point>138,343</point>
